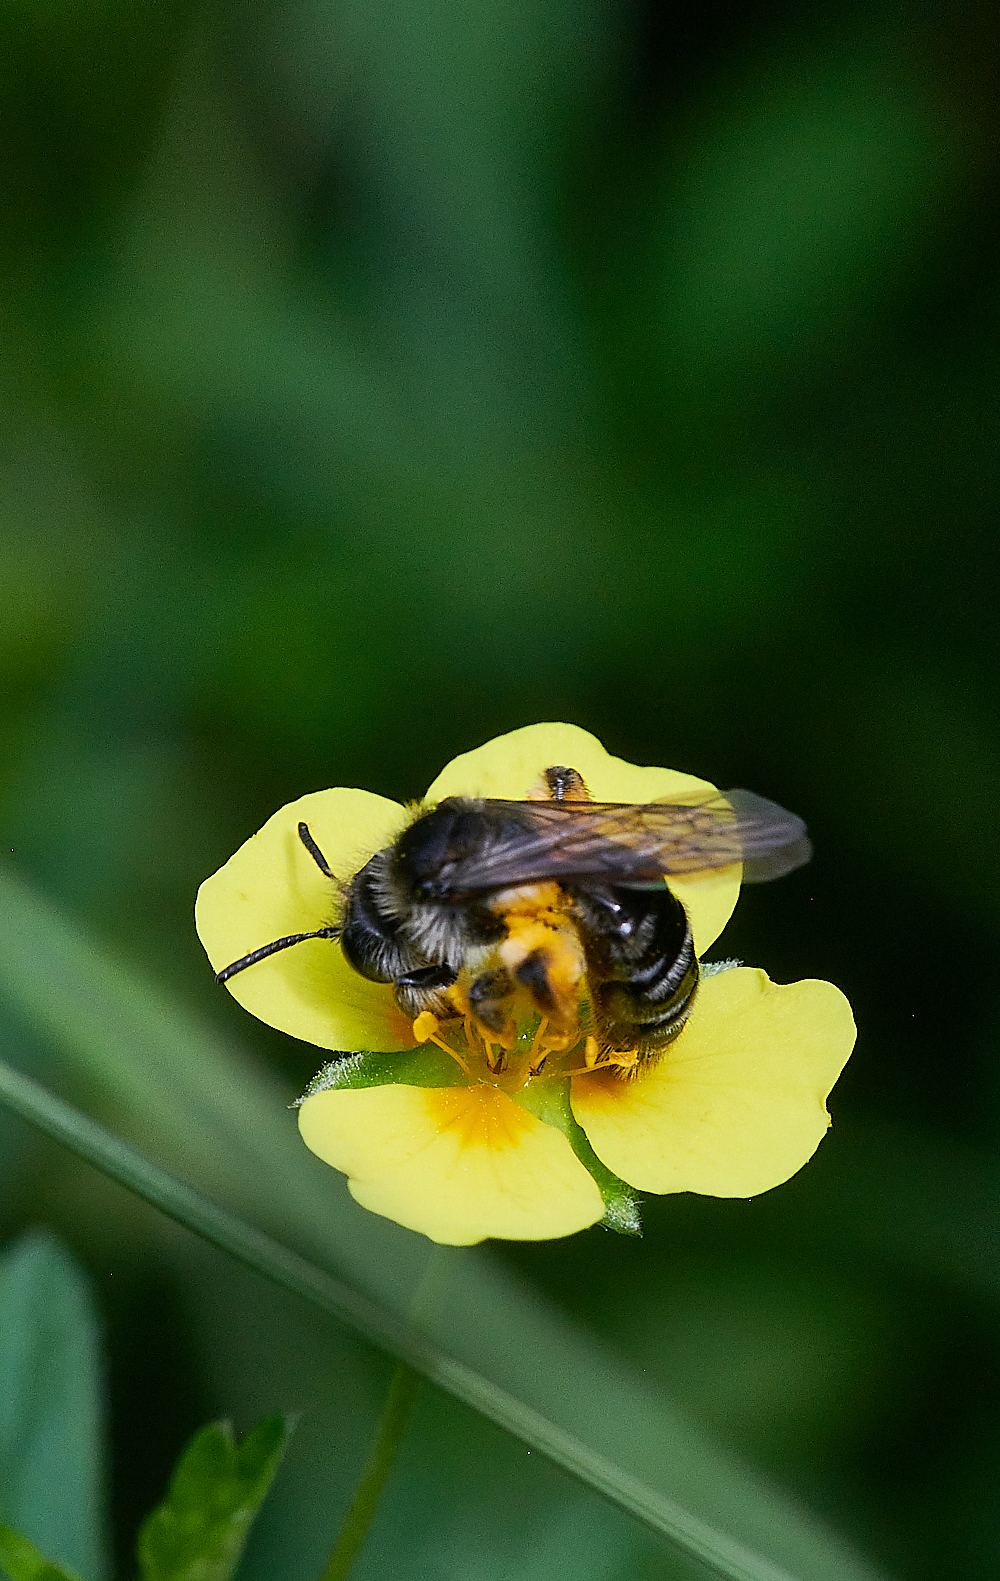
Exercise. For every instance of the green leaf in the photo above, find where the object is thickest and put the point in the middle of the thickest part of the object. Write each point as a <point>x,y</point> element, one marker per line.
<point>21,1560</point>
<point>50,1405</point>
<point>199,1531</point>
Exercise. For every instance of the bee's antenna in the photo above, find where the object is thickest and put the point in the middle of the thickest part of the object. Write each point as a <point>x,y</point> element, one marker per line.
<point>314,852</point>
<point>272,949</point>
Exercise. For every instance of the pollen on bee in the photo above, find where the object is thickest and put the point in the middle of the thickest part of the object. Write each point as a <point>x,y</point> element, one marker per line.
<point>591,1052</point>
<point>542,948</point>
<point>625,1060</point>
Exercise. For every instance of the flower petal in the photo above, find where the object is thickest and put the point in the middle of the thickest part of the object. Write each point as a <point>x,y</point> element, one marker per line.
<point>738,1103</point>
<point>456,1163</point>
<point>510,765</point>
<point>271,888</point>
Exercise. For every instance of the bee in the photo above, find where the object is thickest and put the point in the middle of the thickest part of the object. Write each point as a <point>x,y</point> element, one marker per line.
<point>556,897</point>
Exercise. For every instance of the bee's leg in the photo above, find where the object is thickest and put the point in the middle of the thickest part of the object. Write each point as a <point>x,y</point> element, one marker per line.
<point>314,850</point>
<point>533,974</point>
<point>440,976</point>
<point>536,1065</point>
<point>488,996</point>
<point>566,784</point>
<point>422,989</point>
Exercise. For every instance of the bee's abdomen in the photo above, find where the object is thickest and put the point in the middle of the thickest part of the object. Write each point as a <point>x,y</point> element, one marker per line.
<point>641,966</point>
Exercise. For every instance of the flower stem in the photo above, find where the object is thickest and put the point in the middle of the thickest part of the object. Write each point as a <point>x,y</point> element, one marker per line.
<point>389,1435</point>
<point>394,1421</point>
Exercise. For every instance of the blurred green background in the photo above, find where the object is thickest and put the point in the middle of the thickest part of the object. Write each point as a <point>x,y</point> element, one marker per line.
<point>376,378</point>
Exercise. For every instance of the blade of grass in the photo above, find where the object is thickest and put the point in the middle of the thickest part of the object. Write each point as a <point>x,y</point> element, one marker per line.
<point>225,1230</point>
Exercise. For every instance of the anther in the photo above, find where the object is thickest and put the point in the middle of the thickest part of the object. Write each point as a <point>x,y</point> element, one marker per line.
<point>425,1026</point>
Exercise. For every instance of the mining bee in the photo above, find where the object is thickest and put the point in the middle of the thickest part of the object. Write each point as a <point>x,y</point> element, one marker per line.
<point>557,899</point>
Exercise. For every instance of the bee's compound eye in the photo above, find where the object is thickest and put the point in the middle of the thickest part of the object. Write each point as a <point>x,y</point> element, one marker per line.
<point>364,950</point>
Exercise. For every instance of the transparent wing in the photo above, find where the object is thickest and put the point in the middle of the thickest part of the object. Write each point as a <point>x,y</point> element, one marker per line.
<point>637,844</point>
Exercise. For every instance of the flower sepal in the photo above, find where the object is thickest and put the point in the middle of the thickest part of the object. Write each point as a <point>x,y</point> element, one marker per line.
<point>425,1066</point>
<point>549,1101</point>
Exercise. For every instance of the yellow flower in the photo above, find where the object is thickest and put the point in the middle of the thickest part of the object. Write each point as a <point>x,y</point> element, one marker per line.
<point>455,1133</point>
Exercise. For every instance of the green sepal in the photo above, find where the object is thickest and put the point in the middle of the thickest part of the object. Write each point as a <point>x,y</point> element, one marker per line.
<point>550,1101</point>
<point>21,1561</point>
<point>426,1066</point>
<point>199,1531</point>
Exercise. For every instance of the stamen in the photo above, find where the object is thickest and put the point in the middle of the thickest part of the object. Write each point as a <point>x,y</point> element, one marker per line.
<point>456,1057</point>
<point>425,1026</point>
<point>425,1030</point>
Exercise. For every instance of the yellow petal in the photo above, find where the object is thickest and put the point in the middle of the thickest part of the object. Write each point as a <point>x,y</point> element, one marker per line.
<point>509,766</point>
<point>738,1103</point>
<point>456,1163</point>
<point>271,888</point>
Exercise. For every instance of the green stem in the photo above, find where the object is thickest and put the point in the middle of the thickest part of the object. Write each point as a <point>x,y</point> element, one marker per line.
<point>389,1435</point>
<point>393,1423</point>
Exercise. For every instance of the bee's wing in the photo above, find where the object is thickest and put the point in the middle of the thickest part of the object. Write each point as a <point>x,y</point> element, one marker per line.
<point>638,844</point>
